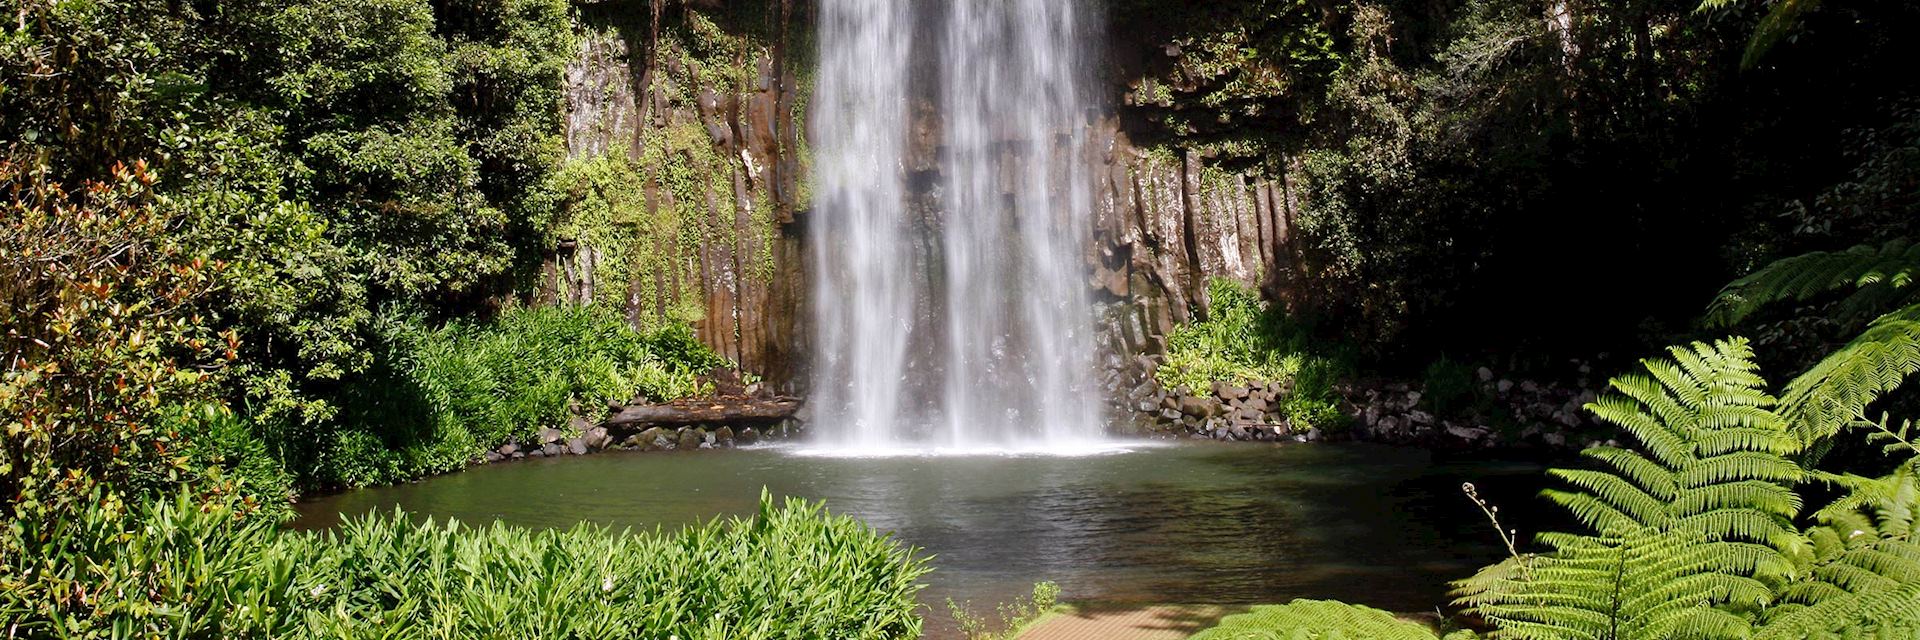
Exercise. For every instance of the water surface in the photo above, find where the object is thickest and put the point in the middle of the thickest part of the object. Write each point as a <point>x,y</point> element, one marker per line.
<point>1195,522</point>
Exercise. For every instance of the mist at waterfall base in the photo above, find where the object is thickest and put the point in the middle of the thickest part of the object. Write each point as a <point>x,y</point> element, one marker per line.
<point>961,324</point>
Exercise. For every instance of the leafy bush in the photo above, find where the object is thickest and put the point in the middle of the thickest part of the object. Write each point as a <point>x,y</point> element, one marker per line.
<point>1448,386</point>
<point>224,450</point>
<point>96,336</point>
<point>175,569</point>
<point>1241,341</point>
<point>442,396</point>
<point>1015,616</point>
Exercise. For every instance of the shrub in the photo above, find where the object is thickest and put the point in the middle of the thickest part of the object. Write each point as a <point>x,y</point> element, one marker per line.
<point>1242,340</point>
<point>1448,386</point>
<point>96,335</point>
<point>439,397</point>
<point>175,569</point>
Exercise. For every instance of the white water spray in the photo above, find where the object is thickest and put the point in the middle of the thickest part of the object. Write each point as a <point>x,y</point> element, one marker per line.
<point>998,322</point>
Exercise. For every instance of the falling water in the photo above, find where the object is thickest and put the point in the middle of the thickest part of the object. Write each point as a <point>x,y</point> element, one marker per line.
<point>985,343</point>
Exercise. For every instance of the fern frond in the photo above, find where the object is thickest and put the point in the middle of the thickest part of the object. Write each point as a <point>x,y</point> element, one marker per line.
<point>1646,583</point>
<point>1829,396</point>
<point>1691,533</point>
<point>1892,265</point>
<point>1864,578</point>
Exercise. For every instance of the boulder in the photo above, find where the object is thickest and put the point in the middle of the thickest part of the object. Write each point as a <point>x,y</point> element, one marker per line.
<point>518,455</point>
<point>550,435</point>
<point>652,438</point>
<point>1170,415</point>
<point>537,453</point>
<point>577,446</point>
<point>598,438</point>
<point>1486,375</point>
<point>552,449</point>
<point>723,435</point>
<point>508,449</point>
<point>1201,407</point>
<point>691,438</point>
<point>1468,434</point>
<point>494,456</point>
<point>1255,403</point>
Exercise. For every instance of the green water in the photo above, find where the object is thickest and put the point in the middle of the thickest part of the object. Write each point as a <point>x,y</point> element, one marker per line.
<point>1192,522</point>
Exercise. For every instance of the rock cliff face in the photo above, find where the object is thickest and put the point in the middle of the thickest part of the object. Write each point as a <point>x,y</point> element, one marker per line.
<point>706,103</point>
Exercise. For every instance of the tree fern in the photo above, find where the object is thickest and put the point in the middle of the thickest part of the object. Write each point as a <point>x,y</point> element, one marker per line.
<point>1633,584</point>
<point>1712,461</point>
<point>1887,268</point>
<point>1691,534</point>
<point>1836,391</point>
<point>1316,620</point>
<point>1864,574</point>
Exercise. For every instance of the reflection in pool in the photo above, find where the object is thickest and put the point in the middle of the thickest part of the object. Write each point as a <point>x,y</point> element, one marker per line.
<point>1195,522</point>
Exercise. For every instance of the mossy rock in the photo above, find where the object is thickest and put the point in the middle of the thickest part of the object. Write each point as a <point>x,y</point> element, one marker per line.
<point>1316,620</point>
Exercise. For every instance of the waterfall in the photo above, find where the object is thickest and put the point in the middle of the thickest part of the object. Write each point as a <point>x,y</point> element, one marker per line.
<point>979,337</point>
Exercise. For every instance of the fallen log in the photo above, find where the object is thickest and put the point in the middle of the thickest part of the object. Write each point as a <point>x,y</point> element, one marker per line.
<point>697,411</point>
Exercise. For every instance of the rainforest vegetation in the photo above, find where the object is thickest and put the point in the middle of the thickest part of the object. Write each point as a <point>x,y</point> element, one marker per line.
<point>251,250</point>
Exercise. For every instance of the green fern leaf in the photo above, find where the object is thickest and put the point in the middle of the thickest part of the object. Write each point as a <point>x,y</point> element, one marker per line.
<point>1889,268</point>
<point>1837,390</point>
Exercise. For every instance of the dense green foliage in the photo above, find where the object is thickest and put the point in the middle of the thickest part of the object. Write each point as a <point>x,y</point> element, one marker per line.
<point>100,339</point>
<point>1243,340</point>
<point>1881,304</point>
<point>177,569</point>
<point>439,397</point>
<point>1459,168</point>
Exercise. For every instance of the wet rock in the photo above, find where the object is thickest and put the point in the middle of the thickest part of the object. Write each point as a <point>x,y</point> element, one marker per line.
<point>537,453</point>
<point>692,438</point>
<point>577,446</point>
<point>722,436</point>
<point>552,449</point>
<point>508,449</point>
<point>550,435</point>
<point>747,435</point>
<point>494,456</point>
<point>517,455</point>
